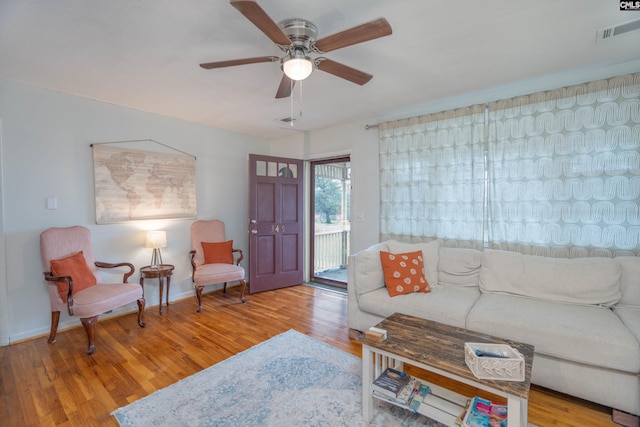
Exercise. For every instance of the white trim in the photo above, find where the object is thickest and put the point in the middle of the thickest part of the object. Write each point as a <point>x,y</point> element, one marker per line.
<point>4,287</point>
<point>329,155</point>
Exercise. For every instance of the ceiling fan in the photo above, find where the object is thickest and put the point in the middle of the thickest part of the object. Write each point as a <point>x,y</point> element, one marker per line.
<point>297,38</point>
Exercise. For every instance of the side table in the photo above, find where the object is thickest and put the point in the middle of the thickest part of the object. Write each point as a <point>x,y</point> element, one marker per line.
<point>161,273</point>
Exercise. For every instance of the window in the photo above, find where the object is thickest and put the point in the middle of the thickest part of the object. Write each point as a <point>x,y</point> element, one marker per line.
<point>555,173</point>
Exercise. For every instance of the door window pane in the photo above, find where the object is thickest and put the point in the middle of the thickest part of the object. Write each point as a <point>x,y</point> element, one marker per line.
<point>284,171</point>
<point>261,168</point>
<point>272,169</point>
<point>294,170</point>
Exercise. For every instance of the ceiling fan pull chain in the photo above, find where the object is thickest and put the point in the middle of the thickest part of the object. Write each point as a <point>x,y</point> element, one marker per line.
<point>300,98</point>
<point>291,103</point>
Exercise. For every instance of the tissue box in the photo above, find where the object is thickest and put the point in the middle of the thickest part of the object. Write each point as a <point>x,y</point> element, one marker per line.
<point>510,367</point>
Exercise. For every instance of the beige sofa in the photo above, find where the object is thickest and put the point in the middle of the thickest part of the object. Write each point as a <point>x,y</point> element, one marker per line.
<point>582,314</point>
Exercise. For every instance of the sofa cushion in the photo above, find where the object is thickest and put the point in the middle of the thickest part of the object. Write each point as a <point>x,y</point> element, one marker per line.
<point>592,281</point>
<point>403,273</point>
<point>446,304</point>
<point>585,334</point>
<point>459,266</point>
<point>368,269</point>
<point>429,256</point>
<point>630,316</point>
<point>629,280</point>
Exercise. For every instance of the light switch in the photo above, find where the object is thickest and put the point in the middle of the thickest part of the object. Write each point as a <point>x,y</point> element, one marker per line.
<point>52,203</point>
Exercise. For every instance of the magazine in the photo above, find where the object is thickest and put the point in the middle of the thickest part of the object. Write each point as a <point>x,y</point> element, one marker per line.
<point>485,413</point>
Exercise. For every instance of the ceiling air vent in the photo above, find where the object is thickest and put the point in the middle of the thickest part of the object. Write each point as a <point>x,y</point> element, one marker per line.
<point>617,30</point>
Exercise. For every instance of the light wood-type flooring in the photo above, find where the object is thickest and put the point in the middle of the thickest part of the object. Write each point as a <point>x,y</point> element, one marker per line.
<point>59,385</point>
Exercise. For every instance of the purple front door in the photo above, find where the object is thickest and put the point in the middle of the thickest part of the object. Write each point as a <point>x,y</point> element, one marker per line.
<point>275,222</point>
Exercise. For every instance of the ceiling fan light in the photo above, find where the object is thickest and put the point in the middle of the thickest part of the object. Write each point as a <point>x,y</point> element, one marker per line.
<point>298,68</point>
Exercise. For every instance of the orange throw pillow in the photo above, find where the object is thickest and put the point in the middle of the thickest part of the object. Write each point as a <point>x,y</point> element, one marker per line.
<point>76,267</point>
<point>404,273</point>
<point>218,253</point>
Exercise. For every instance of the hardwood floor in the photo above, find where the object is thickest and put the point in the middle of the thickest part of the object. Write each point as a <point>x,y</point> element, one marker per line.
<point>59,385</point>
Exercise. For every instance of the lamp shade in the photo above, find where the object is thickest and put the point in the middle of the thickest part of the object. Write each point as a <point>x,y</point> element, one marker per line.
<point>156,239</point>
<point>298,67</point>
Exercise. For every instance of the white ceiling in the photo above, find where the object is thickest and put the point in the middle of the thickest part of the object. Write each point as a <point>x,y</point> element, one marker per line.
<point>144,54</point>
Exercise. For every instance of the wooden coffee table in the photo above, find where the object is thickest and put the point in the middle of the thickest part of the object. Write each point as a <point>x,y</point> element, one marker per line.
<point>439,348</point>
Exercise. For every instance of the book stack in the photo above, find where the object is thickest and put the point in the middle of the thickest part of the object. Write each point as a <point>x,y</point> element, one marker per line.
<point>390,383</point>
<point>483,413</point>
<point>419,396</point>
<point>398,387</point>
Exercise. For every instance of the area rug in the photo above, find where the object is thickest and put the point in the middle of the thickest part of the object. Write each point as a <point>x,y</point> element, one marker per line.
<point>288,380</point>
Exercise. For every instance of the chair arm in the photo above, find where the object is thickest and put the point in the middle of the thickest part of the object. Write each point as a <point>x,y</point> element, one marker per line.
<point>193,264</point>
<point>49,277</point>
<point>126,276</point>
<point>240,258</point>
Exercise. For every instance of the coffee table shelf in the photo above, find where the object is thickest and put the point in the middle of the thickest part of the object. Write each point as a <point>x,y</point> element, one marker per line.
<point>442,405</point>
<point>439,348</point>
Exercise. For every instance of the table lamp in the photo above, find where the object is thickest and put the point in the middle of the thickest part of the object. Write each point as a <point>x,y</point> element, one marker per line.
<point>156,240</point>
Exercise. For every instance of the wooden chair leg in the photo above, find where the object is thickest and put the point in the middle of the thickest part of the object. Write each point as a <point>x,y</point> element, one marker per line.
<point>224,288</point>
<point>89,324</point>
<point>199,295</point>
<point>141,304</point>
<point>55,318</point>
<point>244,286</point>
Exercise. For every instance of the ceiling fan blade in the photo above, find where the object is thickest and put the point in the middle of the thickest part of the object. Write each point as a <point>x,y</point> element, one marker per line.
<point>284,90</point>
<point>361,33</point>
<point>234,62</point>
<point>254,13</point>
<point>343,71</point>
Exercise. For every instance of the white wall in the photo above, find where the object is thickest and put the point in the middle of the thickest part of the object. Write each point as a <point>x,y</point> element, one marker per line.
<point>46,139</point>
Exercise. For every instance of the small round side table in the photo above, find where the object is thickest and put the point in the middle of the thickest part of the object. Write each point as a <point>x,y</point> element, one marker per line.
<point>161,272</point>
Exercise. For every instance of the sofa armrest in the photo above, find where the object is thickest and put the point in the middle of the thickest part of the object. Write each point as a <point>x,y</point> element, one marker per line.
<point>367,270</point>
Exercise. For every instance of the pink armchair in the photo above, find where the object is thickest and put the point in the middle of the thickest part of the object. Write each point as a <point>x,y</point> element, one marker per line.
<point>74,282</point>
<point>213,259</point>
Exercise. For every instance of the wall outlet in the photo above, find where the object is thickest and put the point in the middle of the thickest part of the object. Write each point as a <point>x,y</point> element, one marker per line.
<point>359,216</point>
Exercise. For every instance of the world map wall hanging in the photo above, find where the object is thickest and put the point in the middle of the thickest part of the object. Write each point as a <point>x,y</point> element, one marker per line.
<point>133,184</point>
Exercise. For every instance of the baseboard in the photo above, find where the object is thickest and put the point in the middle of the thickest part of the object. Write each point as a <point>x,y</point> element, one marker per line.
<point>624,419</point>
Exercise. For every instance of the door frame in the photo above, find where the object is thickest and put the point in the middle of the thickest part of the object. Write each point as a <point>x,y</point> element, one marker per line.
<point>310,264</point>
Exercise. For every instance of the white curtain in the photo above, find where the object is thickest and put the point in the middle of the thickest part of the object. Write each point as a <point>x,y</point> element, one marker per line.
<point>432,178</point>
<point>562,175</point>
<point>564,170</point>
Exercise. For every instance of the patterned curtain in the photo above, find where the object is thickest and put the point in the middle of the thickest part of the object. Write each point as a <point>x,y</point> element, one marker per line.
<point>564,171</point>
<point>432,178</point>
<point>562,174</point>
